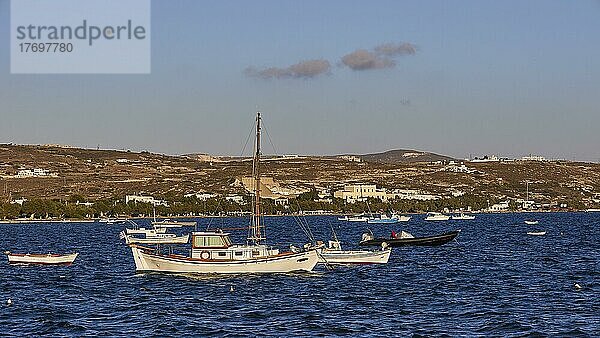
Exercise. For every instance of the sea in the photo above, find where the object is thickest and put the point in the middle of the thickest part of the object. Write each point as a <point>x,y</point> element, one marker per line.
<point>494,280</point>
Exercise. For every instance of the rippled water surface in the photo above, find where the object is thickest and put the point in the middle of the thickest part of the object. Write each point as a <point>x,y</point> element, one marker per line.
<point>495,280</point>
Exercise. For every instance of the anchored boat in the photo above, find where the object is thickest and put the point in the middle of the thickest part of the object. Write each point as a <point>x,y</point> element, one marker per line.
<point>385,219</point>
<point>334,254</point>
<point>213,251</point>
<point>406,239</point>
<point>463,216</point>
<point>436,216</point>
<point>42,259</point>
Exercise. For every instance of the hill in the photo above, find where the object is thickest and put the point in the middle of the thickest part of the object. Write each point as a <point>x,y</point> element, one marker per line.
<point>404,156</point>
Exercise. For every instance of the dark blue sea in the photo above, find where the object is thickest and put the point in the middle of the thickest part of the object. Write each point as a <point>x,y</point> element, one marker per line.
<point>495,280</point>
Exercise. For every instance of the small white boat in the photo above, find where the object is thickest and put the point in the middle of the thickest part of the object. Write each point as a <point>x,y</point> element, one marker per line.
<point>536,233</point>
<point>463,216</point>
<point>110,221</point>
<point>334,254</point>
<point>151,236</point>
<point>531,222</point>
<point>344,218</point>
<point>42,259</point>
<point>401,218</point>
<point>359,218</point>
<point>144,231</point>
<point>167,223</point>
<point>436,216</point>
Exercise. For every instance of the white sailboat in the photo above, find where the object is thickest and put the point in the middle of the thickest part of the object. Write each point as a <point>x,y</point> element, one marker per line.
<point>213,251</point>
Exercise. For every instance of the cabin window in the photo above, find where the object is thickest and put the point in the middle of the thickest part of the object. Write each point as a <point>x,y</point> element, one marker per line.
<point>204,241</point>
<point>222,254</point>
<point>239,253</point>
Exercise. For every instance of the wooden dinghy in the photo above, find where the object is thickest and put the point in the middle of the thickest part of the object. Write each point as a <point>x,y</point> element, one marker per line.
<point>41,259</point>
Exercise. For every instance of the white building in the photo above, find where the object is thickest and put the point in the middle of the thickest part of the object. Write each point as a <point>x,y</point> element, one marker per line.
<point>201,196</point>
<point>235,198</point>
<point>350,158</point>
<point>502,206</point>
<point>145,199</point>
<point>412,194</point>
<point>486,158</point>
<point>36,172</point>
<point>460,169</point>
<point>19,201</point>
<point>360,192</point>
<point>533,158</point>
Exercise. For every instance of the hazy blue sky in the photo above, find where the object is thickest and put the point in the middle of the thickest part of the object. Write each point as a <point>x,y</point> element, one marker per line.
<point>487,77</point>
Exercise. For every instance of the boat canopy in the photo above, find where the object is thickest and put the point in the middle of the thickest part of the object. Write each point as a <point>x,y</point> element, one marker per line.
<point>210,240</point>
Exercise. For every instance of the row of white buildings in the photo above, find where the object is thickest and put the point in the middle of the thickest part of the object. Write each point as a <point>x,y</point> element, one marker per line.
<point>360,192</point>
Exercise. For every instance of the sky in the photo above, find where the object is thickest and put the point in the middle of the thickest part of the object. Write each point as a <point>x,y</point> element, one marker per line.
<point>460,78</point>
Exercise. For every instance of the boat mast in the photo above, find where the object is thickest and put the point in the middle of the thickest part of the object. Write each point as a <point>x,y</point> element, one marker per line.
<point>255,235</point>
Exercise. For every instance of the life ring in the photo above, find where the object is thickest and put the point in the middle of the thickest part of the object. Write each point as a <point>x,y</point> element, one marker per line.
<point>205,255</point>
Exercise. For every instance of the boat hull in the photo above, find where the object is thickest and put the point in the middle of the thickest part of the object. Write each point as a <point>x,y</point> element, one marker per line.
<point>437,218</point>
<point>147,261</point>
<point>354,257</point>
<point>173,224</point>
<point>416,241</point>
<point>383,221</point>
<point>37,259</point>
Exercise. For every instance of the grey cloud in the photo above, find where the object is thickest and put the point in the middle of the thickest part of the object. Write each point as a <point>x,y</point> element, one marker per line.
<point>396,49</point>
<point>382,56</point>
<point>303,69</point>
<point>362,59</point>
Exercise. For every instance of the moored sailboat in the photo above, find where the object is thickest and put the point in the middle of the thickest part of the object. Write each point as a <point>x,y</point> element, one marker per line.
<point>213,251</point>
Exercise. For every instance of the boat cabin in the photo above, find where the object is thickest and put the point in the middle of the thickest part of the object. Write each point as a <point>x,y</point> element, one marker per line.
<point>211,245</point>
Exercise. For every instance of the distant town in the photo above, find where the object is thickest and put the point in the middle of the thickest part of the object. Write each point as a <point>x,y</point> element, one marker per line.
<point>62,182</point>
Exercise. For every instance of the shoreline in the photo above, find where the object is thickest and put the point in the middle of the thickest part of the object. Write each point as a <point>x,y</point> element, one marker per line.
<point>97,220</point>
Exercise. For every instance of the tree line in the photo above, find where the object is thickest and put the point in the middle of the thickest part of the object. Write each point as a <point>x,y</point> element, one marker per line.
<point>192,206</point>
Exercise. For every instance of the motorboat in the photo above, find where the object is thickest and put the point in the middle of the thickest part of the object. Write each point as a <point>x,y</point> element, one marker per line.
<point>144,231</point>
<point>436,216</point>
<point>406,239</point>
<point>536,233</point>
<point>402,218</point>
<point>167,223</point>
<point>385,219</point>
<point>151,236</point>
<point>41,259</point>
<point>531,222</point>
<point>382,219</point>
<point>359,218</point>
<point>343,218</point>
<point>212,252</point>
<point>110,221</point>
<point>333,254</point>
<point>463,216</point>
